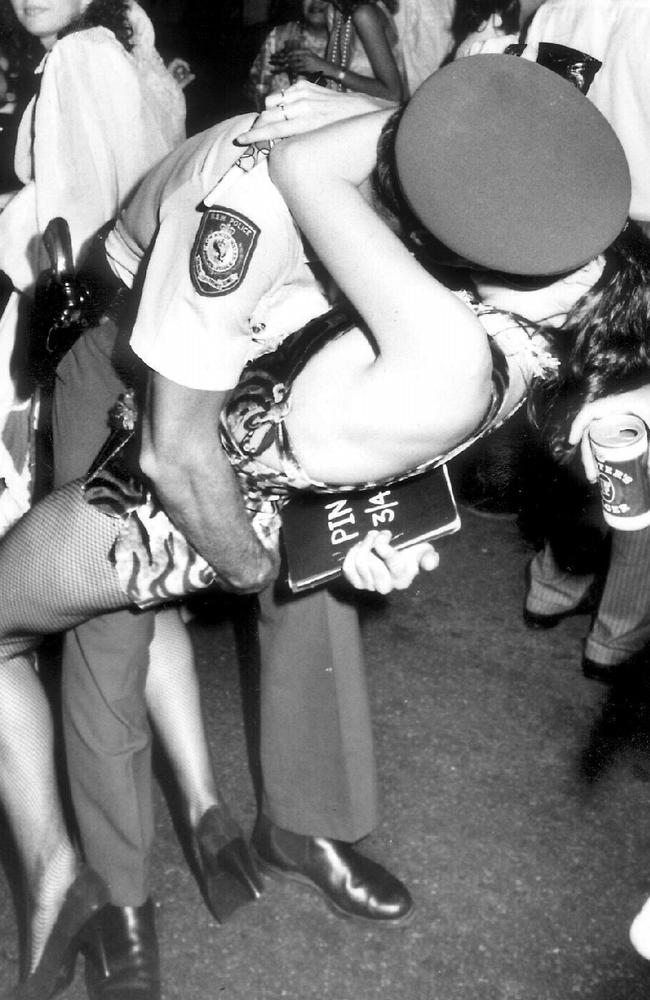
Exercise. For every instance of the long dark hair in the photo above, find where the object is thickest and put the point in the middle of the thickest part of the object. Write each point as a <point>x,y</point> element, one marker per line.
<point>469,15</point>
<point>25,52</point>
<point>604,344</point>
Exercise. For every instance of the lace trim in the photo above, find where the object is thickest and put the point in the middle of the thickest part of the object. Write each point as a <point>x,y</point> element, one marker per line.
<point>519,336</point>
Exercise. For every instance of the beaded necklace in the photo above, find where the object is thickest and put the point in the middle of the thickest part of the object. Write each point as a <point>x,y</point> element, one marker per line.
<point>339,52</point>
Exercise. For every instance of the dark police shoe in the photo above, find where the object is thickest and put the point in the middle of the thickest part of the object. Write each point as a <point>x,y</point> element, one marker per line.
<point>229,875</point>
<point>352,885</point>
<point>121,951</point>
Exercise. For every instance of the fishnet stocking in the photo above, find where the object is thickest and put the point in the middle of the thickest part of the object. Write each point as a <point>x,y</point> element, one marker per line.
<point>54,573</point>
<point>28,789</point>
<point>173,700</point>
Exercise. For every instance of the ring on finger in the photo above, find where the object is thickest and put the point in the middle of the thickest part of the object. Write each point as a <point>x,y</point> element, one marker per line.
<point>284,112</point>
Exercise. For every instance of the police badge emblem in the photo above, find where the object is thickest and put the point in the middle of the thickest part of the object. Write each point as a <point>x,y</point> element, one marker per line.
<point>222,251</point>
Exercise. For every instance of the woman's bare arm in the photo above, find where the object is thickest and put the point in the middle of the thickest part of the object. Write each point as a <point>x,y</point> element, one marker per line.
<point>433,367</point>
<point>370,26</point>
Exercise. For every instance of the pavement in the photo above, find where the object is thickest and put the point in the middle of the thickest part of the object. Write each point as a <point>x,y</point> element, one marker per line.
<point>514,805</point>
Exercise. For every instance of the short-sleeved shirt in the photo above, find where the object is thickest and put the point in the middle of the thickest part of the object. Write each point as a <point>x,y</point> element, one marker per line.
<point>226,272</point>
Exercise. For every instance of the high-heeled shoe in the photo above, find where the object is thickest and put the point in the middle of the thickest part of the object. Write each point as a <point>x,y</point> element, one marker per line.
<point>229,874</point>
<point>56,967</point>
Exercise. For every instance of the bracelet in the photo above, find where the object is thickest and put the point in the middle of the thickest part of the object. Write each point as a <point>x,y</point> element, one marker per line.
<point>340,75</point>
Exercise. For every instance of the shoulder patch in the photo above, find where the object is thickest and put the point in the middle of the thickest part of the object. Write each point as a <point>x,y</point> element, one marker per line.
<point>222,251</point>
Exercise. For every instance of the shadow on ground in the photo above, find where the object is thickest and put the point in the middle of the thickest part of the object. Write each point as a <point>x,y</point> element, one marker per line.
<point>515,806</point>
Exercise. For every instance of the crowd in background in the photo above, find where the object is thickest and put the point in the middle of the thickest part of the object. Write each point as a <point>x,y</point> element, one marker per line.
<point>95,107</point>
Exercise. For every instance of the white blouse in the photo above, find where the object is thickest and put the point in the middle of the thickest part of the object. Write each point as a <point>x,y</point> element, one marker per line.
<point>102,119</point>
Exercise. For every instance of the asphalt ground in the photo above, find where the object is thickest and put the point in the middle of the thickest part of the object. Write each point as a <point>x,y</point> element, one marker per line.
<point>514,805</point>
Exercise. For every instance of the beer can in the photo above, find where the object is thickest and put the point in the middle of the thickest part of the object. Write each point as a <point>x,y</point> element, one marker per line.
<point>620,448</point>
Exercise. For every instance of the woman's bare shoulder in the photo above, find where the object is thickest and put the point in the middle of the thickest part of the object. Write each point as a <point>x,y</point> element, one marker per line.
<point>369,15</point>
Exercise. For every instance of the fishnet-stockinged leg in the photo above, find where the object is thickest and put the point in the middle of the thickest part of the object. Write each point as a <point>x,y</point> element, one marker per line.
<point>174,704</point>
<point>54,573</point>
<point>28,789</point>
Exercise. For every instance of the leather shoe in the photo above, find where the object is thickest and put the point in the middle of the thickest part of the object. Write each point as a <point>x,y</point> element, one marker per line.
<point>352,885</point>
<point>634,669</point>
<point>603,672</point>
<point>229,874</point>
<point>121,951</point>
<point>534,620</point>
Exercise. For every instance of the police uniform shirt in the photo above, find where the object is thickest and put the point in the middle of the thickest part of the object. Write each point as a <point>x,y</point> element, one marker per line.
<point>226,272</point>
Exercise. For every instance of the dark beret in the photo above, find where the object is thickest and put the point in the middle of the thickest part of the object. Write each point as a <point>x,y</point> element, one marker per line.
<point>511,167</point>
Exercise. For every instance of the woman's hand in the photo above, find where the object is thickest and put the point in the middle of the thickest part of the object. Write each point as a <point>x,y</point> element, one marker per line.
<point>299,60</point>
<point>180,70</point>
<point>304,107</point>
<point>373,564</point>
<point>306,61</point>
<point>636,401</point>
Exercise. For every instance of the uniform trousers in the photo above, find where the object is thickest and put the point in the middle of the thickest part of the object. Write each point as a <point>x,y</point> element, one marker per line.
<point>621,626</point>
<point>316,741</point>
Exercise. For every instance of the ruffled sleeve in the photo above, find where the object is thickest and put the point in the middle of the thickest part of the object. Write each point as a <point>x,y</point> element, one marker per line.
<point>98,127</point>
<point>96,133</point>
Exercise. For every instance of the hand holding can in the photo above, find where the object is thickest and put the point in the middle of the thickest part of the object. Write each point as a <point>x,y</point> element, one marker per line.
<point>619,444</point>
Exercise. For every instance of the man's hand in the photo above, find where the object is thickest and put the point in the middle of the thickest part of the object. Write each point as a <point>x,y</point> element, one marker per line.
<point>373,563</point>
<point>304,107</point>
<point>182,456</point>
<point>636,401</point>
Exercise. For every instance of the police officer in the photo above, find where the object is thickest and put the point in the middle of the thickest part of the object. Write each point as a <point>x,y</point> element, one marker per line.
<point>226,276</point>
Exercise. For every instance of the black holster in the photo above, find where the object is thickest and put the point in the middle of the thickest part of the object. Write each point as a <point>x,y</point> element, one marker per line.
<point>66,303</point>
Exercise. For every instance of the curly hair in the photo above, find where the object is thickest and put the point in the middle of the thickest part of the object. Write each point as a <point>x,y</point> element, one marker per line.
<point>111,14</point>
<point>25,52</point>
<point>604,344</point>
<point>469,15</point>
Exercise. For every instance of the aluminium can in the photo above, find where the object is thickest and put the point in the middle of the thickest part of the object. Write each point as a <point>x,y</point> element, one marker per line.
<point>620,448</point>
